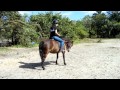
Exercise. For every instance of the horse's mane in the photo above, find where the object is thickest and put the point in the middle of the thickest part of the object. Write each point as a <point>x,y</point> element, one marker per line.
<point>66,39</point>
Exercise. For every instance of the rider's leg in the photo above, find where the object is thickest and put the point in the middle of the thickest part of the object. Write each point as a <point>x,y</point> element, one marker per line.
<point>61,42</point>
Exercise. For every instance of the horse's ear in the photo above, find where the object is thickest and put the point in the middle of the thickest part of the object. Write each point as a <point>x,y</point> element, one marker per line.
<point>66,41</point>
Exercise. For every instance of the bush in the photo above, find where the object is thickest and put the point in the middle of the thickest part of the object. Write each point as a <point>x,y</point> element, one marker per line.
<point>117,36</point>
<point>27,37</point>
<point>81,32</point>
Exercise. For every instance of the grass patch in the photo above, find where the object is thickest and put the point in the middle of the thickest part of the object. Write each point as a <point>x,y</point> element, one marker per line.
<point>76,41</point>
<point>17,46</point>
<point>88,40</point>
<point>3,50</point>
<point>20,46</point>
<point>35,45</point>
<point>99,41</point>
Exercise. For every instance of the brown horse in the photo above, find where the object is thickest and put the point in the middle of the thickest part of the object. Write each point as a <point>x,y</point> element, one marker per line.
<point>51,46</point>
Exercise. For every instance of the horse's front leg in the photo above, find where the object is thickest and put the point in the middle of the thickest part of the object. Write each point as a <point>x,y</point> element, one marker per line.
<point>64,57</point>
<point>57,59</point>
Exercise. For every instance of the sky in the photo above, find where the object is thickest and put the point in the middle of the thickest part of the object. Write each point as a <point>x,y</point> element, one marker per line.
<point>72,15</point>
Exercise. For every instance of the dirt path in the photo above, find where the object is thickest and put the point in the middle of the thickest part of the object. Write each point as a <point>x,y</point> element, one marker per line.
<point>85,61</point>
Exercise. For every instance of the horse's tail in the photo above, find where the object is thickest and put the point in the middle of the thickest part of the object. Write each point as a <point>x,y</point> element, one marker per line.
<point>41,45</point>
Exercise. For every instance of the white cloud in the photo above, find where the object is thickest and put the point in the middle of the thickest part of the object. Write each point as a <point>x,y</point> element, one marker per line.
<point>91,12</point>
<point>57,11</point>
<point>24,12</point>
<point>104,11</point>
<point>67,13</point>
<point>88,12</point>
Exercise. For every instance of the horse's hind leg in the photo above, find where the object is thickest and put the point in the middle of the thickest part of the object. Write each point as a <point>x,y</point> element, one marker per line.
<point>57,59</point>
<point>64,57</point>
<point>42,63</point>
<point>43,59</point>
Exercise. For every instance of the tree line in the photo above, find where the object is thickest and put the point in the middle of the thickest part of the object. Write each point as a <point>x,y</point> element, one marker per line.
<point>26,30</point>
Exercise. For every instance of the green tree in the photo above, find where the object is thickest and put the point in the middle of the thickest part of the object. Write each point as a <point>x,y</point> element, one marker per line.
<point>87,22</point>
<point>99,20</point>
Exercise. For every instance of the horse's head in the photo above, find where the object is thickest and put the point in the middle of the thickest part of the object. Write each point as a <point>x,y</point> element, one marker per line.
<point>68,44</point>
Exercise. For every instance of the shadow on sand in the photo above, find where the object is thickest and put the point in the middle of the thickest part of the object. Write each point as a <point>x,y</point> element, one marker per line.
<point>34,65</point>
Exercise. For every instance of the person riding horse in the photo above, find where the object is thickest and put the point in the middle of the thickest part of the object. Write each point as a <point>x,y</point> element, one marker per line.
<point>55,35</point>
<point>47,46</point>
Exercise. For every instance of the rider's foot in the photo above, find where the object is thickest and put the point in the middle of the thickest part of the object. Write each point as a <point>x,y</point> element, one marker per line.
<point>61,50</point>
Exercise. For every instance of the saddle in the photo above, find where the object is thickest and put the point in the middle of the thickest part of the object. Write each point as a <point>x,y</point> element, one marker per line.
<point>58,43</point>
<point>55,40</point>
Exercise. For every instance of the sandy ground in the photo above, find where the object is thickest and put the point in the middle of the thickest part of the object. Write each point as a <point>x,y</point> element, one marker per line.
<point>84,61</point>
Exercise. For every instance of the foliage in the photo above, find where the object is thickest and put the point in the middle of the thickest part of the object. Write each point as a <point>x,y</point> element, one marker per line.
<point>29,30</point>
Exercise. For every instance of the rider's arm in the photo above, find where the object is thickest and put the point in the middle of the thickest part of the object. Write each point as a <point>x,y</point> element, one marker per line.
<point>57,33</point>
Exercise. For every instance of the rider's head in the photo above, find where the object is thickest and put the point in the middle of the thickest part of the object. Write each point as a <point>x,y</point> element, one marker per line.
<point>55,22</point>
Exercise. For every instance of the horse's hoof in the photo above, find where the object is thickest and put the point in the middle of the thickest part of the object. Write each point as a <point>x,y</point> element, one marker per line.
<point>65,64</point>
<point>56,63</point>
<point>43,68</point>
